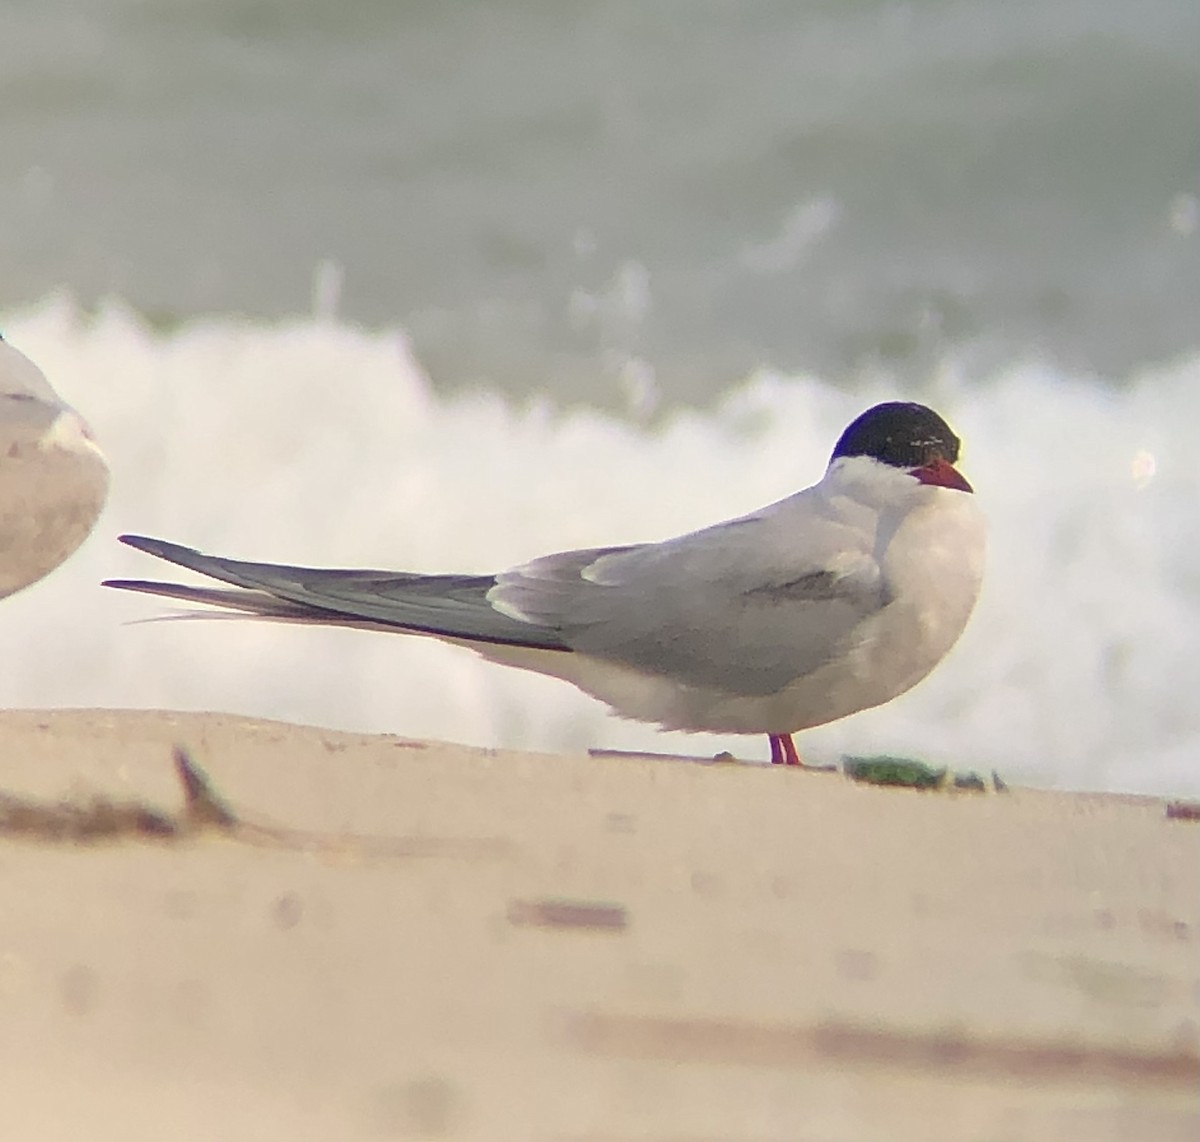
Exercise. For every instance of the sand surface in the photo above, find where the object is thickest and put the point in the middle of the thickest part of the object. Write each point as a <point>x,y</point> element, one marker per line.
<point>418,940</point>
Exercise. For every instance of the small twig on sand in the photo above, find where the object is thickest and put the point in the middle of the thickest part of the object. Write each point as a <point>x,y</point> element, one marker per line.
<point>201,807</point>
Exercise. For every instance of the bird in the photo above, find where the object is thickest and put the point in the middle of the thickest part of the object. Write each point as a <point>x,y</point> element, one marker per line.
<point>833,600</point>
<point>53,476</point>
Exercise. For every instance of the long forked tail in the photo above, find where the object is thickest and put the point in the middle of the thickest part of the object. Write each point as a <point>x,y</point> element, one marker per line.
<point>453,606</point>
<point>252,604</point>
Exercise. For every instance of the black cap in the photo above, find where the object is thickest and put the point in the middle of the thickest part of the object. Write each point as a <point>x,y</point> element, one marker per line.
<point>899,433</point>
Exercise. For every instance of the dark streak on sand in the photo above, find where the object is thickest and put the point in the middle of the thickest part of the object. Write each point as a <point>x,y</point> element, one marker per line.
<point>68,822</point>
<point>837,1044</point>
<point>103,820</point>
<point>569,914</point>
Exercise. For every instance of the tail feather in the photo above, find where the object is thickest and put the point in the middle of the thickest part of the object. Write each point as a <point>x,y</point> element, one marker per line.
<point>454,606</point>
<point>245,604</point>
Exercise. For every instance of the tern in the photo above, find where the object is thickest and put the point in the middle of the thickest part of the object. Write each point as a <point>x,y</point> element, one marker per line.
<point>53,477</point>
<point>833,600</point>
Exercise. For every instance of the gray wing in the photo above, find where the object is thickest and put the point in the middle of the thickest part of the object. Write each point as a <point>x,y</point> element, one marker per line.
<point>745,606</point>
<point>456,606</point>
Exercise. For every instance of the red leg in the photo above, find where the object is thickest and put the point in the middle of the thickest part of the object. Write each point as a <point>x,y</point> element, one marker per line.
<point>783,750</point>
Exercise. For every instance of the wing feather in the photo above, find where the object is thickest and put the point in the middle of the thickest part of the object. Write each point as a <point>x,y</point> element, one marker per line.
<point>744,607</point>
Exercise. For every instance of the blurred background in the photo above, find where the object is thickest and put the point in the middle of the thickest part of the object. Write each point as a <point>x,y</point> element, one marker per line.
<point>441,286</point>
<point>583,199</point>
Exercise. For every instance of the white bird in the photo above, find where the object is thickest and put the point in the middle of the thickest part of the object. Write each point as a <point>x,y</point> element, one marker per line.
<point>831,601</point>
<point>53,478</point>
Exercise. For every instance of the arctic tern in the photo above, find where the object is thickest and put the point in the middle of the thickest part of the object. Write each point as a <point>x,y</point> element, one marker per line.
<point>833,600</point>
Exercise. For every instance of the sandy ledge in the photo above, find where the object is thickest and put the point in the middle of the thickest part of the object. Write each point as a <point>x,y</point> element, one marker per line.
<point>420,940</point>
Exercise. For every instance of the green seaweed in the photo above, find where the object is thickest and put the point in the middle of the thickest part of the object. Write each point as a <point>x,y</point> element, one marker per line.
<point>885,769</point>
<point>909,773</point>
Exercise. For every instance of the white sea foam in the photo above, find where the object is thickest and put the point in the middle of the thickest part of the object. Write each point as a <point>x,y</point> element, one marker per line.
<point>317,442</point>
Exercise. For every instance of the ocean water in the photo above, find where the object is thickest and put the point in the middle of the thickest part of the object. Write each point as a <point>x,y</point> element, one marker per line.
<point>622,202</point>
<point>313,441</point>
<point>443,287</point>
